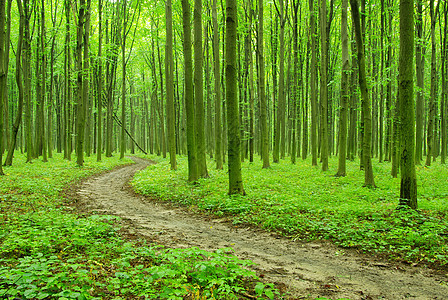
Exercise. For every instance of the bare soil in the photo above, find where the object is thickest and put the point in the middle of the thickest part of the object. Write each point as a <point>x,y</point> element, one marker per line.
<point>304,270</point>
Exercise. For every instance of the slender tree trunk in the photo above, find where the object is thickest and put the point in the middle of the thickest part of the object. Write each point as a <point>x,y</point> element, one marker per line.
<point>169,73</point>
<point>67,85</point>
<point>344,92</point>
<point>44,83</point>
<point>432,102</point>
<point>218,127</point>
<point>262,96</point>
<point>2,76</point>
<point>313,79</point>
<point>444,105</point>
<point>198,91</point>
<point>123,83</point>
<point>366,106</point>
<point>420,83</point>
<point>323,85</point>
<point>189,100</point>
<point>80,95</point>
<point>18,119</point>
<point>99,95</point>
<point>233,126</point>
<point>408,186</point>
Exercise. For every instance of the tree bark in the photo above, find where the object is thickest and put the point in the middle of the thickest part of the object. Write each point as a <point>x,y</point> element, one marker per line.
<point>189,100</point>
<point>366,106</point>
<point>169,73</point>
<point>323,85</point>
<point>217,76</point>
<point>233,126</point>
<point>80,126</point>
<point>344,93</point>
<point>408,186</point>
<point>262,96</point>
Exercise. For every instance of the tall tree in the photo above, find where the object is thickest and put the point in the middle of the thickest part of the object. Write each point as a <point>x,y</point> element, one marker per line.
<point>366,106</point>
<point>408,186</point>
<point>432,100</point>
<point>233,124</point>
<point>313,84</point>
<point>344,92</point>
<point>2,75</point>
<point>198,91</point>
<point>43,75</point>
<point>80,95</point>
<point>189,100</point>
<point>419,62</point>
<point>99,95</point>
<point>123,81</point>
<point>262,91</point>
<point>18,119</point>
<point>323,85</point>
<point>217,77</point>
<point>169,73</point>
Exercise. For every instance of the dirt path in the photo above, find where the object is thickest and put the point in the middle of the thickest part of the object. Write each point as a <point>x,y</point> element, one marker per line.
<point>308,270</point>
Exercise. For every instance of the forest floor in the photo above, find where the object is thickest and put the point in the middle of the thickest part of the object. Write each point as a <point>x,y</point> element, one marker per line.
<point>305,270</point>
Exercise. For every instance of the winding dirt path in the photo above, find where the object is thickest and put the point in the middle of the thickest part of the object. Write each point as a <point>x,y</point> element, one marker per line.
<point>307,270</point>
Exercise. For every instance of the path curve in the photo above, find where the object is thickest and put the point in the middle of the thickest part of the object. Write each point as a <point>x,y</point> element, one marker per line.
<point>308,270</point>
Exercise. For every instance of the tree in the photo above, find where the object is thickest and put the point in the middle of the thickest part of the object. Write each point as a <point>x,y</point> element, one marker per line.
<point>313,84</point>
<point>408,186</point>
<point>81,101</point>
<point>169,66</point>
<point>217,77</point>
<point>366,106</point>
<point>262,91</point>
<point>432,100</point>
<point>419,62</point>
<point>233,124</point>
<point>198,91</point>
<point>323,85</point>
<point>344,92</point>
<point>18,120</point>
<point>189,100</point>
<point>2,76</point>
<point>99,95</point>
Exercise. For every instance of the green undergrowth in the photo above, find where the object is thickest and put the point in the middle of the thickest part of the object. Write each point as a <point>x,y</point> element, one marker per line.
<point>302,202</point>
<point>48,252</point>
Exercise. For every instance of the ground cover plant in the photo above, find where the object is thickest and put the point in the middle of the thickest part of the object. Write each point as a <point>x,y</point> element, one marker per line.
<point>303,202</point>
<point>48,252</point>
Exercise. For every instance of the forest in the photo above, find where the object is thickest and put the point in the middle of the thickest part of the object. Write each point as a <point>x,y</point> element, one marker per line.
<point>196,149</point>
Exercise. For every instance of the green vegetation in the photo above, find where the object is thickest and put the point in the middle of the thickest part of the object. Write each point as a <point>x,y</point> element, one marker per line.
<point>302,202</point>
<point>48,252</point>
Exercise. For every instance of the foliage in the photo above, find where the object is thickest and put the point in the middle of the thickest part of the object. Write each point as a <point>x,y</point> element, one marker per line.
<point>47,252</point>
<point>303,202</point>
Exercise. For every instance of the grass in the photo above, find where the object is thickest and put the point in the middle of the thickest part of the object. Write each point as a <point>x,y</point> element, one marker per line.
<point>49,252</point>
<point>302,202</point>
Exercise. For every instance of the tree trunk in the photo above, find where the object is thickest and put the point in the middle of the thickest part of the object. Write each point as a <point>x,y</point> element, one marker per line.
<point>18,119</point>
<point>432,100</point>
<point>344,93</point>
<point>80,95</point>
<point>2,76</point>
<point>313,84</point>
<point>198,91</point>
<point>169,73</point>
<point>233,126</point>
<point>217,77</point>
<point>99,95</point>
<point>408,186</point>
<point>123,83</point>
<point>189,100</point>
<point>366,106</point>
<point>262,96</point>
<point>323,85</point>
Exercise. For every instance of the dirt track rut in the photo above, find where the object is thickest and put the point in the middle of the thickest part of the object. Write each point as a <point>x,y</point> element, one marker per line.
<point>308,270</point>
